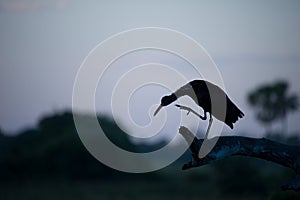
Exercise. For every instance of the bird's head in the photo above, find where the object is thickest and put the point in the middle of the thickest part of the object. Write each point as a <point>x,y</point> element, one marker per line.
<point>166,100</point>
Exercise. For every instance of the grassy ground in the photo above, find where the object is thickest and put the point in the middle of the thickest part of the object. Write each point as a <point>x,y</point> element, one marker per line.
<point>91,190</point>
<point>202,183</point>
<point>232,179</point>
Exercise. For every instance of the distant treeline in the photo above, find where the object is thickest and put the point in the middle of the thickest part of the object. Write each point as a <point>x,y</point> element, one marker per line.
<point>53,150</point>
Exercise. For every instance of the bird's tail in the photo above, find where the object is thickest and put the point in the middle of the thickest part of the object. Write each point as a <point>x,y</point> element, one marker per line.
<point>233,114</point>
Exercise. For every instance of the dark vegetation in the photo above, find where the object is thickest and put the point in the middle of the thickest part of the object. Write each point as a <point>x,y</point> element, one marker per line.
<point>273,103</point>
<point>50,162</point>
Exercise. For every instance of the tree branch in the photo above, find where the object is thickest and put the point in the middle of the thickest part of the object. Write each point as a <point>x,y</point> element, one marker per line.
<point>285,155</point>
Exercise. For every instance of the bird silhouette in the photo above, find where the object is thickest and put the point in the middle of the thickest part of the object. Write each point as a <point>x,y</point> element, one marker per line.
<point>204,93</point>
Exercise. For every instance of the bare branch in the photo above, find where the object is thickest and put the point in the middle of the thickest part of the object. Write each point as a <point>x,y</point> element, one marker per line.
<point>285,155</point>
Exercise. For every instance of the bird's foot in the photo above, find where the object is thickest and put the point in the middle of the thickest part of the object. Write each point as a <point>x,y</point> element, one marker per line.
<point>184,108</point>
<point>189,110</point>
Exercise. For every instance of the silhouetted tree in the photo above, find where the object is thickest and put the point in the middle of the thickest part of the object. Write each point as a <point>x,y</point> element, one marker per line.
<point>273,102</point>
<point>285,102</point>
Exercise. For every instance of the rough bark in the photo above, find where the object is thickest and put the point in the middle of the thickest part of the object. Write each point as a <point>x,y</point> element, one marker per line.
<point>285,155</point>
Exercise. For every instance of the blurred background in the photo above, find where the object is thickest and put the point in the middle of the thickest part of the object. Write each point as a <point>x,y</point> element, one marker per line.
<point>254,44</point>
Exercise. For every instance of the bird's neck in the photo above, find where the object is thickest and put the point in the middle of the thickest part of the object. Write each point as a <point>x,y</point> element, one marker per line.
<point>187,89</point>
<point>173,97</point>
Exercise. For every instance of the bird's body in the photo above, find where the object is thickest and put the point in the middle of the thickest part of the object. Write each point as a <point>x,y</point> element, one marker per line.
<point>204,93</point>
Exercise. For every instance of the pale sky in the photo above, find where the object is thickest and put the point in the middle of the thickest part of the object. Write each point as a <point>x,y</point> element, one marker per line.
<point>43,44</point>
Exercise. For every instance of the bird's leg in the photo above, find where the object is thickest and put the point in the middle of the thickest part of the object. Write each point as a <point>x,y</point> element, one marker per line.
<point>191,110</point>
<point>209,125</point>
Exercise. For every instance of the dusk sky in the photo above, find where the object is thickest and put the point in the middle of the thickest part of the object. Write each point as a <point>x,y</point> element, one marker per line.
<point>43,44</point>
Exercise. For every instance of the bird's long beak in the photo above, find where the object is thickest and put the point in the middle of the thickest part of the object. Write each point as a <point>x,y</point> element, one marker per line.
<point>157,110</point>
